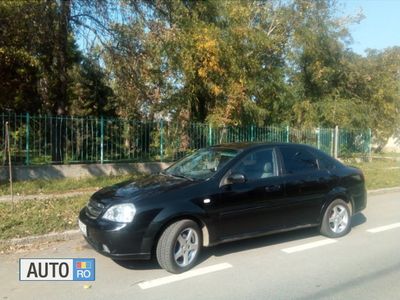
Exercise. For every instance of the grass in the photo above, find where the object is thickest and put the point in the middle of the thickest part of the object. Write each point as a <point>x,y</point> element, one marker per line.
<point>387,154</point>
<point>36,217</point>
<point>47,186</point>
<point>380,173</point>
<point>39,216</point>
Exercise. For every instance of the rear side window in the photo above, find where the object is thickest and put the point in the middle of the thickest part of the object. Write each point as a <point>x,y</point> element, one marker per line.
<point>298,160</point>
<point>326,162</point>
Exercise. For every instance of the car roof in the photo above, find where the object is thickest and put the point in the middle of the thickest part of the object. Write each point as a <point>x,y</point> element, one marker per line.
<point>250,145</point>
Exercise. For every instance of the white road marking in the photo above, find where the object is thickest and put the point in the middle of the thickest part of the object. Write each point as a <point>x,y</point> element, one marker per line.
<point>189,274</point>
<point>309,246</point>
<point>383,228</point>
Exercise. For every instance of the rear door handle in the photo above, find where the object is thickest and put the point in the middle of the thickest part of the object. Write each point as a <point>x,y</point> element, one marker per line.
<point>273,188</point>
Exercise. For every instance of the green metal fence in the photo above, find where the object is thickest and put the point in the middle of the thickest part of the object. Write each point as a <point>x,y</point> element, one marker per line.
<point>43,139</point>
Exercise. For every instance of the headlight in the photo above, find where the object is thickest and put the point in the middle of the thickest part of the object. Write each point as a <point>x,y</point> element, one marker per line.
<point>120,213</point>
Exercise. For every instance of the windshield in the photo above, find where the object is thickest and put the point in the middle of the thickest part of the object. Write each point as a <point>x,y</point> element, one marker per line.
<point>202,164</point>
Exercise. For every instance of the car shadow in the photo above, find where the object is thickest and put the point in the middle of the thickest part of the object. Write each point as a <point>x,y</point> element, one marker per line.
<point>270,240</point>
<point>258,242</point>
<point>138,264</point>
<point>358,219</point>
<point>240,246</point>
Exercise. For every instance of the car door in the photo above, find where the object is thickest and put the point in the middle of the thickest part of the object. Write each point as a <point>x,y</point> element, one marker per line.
<point>305,185</point>
<point>245,208</point>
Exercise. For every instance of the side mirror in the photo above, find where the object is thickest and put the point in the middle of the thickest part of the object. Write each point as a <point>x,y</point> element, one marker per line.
<point>236,178</point>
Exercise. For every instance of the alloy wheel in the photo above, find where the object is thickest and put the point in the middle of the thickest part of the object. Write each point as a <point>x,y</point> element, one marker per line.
<point>338,219</point>
<point>186,247</point>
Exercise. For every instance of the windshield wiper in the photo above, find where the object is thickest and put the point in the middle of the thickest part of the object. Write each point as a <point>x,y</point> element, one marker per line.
<point>177,175</point>
<point>182,176</point>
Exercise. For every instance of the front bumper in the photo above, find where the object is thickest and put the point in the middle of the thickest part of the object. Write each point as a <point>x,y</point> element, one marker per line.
<point>115,240</point>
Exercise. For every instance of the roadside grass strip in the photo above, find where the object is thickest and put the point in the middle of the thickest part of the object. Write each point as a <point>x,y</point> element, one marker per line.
<point>40,187</point>
<point>308,246</point>
<point>30,218</point>
<point>384,228</point>
<point>189,274</point>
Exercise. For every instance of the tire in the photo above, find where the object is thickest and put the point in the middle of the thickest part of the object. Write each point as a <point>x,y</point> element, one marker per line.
<point>337,219</point>
<point>179,246</point>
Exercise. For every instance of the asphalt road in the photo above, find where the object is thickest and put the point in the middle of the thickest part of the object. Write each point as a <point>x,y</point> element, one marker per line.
<point>298,265</point>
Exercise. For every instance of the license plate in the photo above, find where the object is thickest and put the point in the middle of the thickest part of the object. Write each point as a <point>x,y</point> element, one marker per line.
<point>82,227</point>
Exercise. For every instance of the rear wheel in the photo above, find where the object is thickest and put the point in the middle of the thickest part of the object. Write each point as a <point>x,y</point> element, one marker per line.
<point>179,246</point>
<point>337,219</point>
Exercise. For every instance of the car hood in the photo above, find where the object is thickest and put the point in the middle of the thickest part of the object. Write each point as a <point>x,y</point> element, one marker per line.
<point>147,186</point>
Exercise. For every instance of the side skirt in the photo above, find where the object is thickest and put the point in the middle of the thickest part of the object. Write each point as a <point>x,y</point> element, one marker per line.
<point>258,234</point>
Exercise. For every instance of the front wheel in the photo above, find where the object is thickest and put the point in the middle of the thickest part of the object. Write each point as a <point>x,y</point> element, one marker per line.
<point>337,219</point>
<point>179,246</point>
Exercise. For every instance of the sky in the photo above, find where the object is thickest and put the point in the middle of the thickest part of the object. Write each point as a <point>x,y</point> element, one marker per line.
<point>379,29</point>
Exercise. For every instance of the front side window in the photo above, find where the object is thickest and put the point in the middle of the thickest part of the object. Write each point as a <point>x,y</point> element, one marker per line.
<point>202,164</point>
<point>298,160</point>
<point>257,165</point>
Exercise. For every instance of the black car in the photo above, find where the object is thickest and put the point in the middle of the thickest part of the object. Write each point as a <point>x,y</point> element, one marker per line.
<point>219,194</point>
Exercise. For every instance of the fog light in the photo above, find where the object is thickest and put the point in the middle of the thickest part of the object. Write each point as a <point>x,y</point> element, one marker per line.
<point>105,249</point>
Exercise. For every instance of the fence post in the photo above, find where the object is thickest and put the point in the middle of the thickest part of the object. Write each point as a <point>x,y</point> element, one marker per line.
<point>27,140</point>
<point>161,139</point>
<point>252,133</point>
<point>318,138</point>
<point>8,152</point>
<point>369,144</point>
<point>287,134</point>
<point>336,145</point>
<point>101,139</point>
<point>209,135</point>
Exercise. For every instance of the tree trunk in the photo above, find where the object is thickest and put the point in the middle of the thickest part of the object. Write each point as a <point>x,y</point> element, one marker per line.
<point>61,82</point>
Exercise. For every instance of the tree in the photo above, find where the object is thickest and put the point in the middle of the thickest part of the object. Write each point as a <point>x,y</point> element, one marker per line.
<point>381,74</point>
<point>89,94</point>
<point>318,73</point>
<point>214,61</point>
<point>22,43</point>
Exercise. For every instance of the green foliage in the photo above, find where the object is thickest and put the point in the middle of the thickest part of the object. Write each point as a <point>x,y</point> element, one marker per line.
<point>21,36</point>
<point>88,91</point>
<point>381,75</point>
<point>41,68</point>
<point>202,61</point>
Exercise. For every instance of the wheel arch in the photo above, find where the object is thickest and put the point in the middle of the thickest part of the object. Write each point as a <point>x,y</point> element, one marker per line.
<point>186,216</point>
<point>337,193</point>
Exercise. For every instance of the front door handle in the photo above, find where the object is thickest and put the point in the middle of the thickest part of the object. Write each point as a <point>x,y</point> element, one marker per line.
<point>273,188</point>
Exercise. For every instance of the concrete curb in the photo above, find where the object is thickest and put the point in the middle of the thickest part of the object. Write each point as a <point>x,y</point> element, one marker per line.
<point>384,191</point>
<point>50,237</point>
<point>74,234</point>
